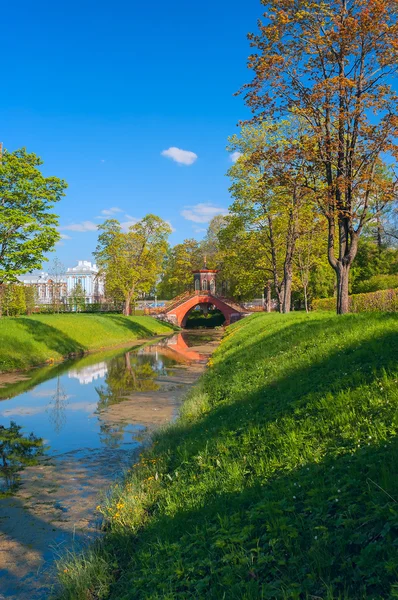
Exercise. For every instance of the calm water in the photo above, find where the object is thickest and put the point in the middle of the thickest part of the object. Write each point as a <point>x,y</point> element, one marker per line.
<point>92,414</point>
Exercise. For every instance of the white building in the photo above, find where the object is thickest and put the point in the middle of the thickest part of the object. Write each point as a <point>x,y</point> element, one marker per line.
<point>50,288</point>
<point>86,274</point>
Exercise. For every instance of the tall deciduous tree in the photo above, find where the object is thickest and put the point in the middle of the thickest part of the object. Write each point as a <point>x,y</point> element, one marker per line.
<point>28,228</point>
<point>332,63</point>
<point>270,196</point>
<point>181,260</point>
<point>132,261</point>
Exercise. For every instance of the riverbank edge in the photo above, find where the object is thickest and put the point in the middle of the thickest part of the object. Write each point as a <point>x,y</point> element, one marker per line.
<point>75,355</point>
<point>185,551</point>
<point>80,353</point>
<point>92,555</point>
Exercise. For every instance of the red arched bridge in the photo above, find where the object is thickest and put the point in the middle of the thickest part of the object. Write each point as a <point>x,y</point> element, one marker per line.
<point>177,310</point>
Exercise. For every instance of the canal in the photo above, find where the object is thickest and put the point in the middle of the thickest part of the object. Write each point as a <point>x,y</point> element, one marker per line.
<point>94,415</point>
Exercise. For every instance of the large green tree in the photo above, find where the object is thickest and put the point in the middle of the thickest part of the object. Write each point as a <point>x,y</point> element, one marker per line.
<point>132,261</point>
<point>177,276</point>
<point>28,227</point>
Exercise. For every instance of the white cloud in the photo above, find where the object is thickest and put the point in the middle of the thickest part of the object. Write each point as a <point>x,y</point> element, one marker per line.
<point>235,156</point>
<point>202,212</point>
<point>182,157</point>
<point>82,227</point>
<point>111,211</point>
<point>130,221</point>
<point>65,237</point>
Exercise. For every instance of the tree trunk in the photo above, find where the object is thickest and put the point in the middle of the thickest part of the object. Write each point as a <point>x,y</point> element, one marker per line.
<point>287,292</point>
<point>126,310</point>
<point>343,273</point>
<point>267,294</point>
<point>305,298</point>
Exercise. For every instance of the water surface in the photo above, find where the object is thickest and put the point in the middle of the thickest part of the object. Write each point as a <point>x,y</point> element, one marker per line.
<point>93,414</point>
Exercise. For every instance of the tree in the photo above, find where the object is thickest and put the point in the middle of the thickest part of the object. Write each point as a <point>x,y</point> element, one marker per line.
<point>245,262</point>
<point>28,228</point>
<point>31,298</point>
<point>16,452</point>
<point>270,195</point>
<point>77,297</point>
<point>12,300</point>
<point>331,64</point>
<point>132,261</point>
<point>57,272</point>
<point>180,261</point>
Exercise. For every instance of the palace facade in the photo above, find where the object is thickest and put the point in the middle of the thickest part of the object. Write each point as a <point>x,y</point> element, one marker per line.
<point>60,287</point>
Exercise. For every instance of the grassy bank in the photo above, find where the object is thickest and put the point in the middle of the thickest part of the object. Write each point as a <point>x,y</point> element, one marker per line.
<point>30,341</point>
<point>278,481</point>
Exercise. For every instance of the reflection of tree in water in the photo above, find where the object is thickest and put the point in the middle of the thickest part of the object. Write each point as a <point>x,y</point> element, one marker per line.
<point>111,434</point>
<point>17,451</point>
<point>126,374</point>
<point>57,406</point>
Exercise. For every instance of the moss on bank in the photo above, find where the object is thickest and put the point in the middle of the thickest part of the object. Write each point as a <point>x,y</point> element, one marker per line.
<point>278,480</point>
<point>29,341</point>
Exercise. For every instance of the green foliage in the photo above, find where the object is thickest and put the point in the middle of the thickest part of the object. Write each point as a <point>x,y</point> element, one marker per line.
<point>35,340</point>
<point>132,261</point>
<point>214,318</point>
<point>377,282</point>
<point>12,300</point>
<point>77,297</point>
<point>180,261</point>
<point>16,452</point>
<point>277,481</point>
<point>30,298</point>
<point>27,227</point>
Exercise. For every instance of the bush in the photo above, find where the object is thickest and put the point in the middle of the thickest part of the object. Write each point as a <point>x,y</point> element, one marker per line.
<point>383,300</point>
<point>324,304</point>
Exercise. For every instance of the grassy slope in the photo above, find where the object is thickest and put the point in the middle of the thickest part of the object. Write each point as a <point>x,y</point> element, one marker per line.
<point>29,341</point>
<point>278,481</point>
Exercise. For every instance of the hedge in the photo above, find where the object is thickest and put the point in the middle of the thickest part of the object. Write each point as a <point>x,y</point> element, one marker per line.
<point>383,300</point>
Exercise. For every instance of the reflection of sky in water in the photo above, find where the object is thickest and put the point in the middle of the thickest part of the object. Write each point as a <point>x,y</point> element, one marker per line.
<point>63,410</point>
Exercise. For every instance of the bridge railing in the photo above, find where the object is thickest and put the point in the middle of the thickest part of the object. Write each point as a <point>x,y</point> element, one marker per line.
<point>181,298</point>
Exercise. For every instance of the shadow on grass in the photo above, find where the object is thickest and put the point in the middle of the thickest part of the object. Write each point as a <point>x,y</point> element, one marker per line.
<point>138,329</point>
<point>299,394</point>
<point>52,337</point>
<point>315,533</point>
<point>304,501</point>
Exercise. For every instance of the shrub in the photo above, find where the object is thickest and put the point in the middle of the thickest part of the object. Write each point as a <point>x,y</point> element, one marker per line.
<point>383,300</point>
<point>324,304</point>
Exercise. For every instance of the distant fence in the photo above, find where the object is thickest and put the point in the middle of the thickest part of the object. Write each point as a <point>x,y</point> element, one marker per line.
<point>383,301</point>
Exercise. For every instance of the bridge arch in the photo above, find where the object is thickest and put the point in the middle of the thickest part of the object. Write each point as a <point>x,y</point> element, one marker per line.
<point>180,313</point>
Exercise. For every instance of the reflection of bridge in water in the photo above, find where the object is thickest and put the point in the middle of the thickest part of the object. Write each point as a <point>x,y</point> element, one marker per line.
<point>175,348</point>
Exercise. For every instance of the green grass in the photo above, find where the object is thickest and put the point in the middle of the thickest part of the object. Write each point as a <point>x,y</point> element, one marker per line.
<point>30,341</point>
<point>279,480</point>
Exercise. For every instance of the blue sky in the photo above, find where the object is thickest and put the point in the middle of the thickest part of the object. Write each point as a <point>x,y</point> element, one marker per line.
<point>99,90</point>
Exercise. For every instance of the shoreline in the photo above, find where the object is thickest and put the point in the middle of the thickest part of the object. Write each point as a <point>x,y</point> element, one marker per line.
<point>39,341</point>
